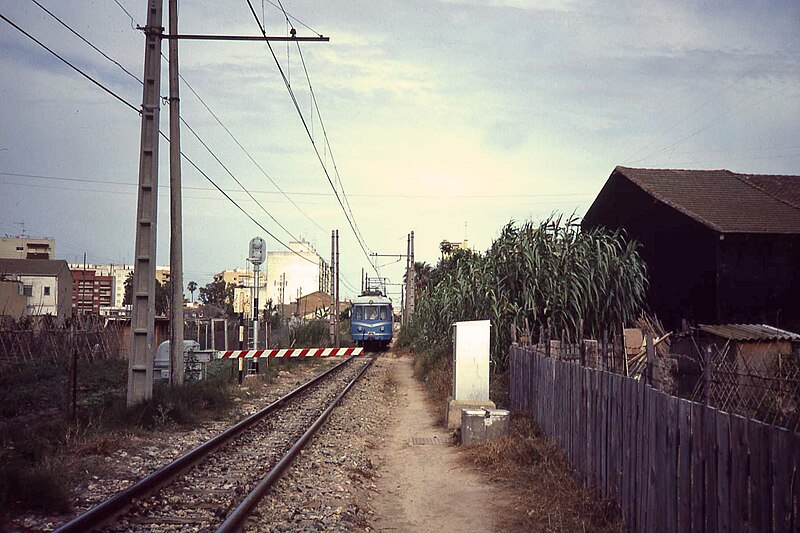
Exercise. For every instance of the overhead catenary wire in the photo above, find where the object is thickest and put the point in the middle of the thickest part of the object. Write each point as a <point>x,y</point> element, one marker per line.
<point>306,193</point>
<point>134,108</point>
<point>350,222</point>
<point>210,111</point>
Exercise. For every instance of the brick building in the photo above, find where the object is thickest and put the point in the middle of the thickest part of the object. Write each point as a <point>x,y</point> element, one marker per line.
<point>91,291</point>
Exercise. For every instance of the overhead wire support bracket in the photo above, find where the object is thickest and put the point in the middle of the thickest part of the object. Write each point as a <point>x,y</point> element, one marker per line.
<point>198,37</point>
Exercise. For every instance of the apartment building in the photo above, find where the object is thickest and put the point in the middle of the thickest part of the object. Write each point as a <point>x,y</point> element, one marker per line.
<point>23,247</point>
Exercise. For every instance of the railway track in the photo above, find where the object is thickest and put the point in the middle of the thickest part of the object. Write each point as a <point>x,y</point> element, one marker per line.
<point>215,486</point>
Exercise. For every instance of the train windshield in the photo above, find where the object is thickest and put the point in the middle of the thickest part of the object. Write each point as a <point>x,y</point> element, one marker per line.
<point>359,313</point>
<point>371,312</point>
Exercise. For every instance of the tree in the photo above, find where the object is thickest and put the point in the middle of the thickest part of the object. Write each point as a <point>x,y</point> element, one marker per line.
<point>127,299</point>
<point>162,295</point>
<point>192,287</point>
<point>218,294</point>
<point>163,298</point>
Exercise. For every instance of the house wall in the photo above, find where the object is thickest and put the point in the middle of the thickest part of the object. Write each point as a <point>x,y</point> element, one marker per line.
<point>759,281</point>
<point>300,274</point>
<point>39,303</point>
<point>12,303</point>
<point>679,252</point>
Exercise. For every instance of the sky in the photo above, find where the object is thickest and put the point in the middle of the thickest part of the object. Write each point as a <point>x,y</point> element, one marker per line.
<point>448,118</point>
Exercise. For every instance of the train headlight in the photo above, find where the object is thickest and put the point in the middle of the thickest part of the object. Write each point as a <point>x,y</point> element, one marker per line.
<point>360,328</point>
<point>383,328</point>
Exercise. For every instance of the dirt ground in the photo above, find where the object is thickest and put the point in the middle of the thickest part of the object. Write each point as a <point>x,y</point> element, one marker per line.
<point>423,486</point>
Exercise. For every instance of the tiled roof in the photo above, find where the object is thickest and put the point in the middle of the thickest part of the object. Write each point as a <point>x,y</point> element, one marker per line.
<point>723,200</point>
<point>748,332</point>
<point>785,188</point>
<point>33,267</point>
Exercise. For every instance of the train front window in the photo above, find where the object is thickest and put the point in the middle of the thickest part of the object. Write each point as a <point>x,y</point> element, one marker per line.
<point>383,313</point>
<point>371,312</point>
<point>359,313</point>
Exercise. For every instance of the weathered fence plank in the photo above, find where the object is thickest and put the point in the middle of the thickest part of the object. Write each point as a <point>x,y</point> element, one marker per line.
<point>723,471</point>
<point>671,464</point>
<point>684,481</point>
<point>760,476</point>
<point>698,497</point>
<point>739,473</point>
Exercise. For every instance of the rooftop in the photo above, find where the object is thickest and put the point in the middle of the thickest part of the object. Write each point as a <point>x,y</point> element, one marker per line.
<point>749,332</point>
<point>33,267</point>
<point>725,201</point>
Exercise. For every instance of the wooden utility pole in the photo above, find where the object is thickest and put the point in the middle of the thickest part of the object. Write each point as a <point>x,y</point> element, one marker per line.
<point>140,363</point>
<point>176,363</point>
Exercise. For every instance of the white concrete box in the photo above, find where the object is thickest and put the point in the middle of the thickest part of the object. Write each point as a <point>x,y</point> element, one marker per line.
<point>484,425</point>
<point>471,360</point>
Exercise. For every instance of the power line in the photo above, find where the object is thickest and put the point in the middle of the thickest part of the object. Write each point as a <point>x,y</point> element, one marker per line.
<point>308,132</point>
<point>694,111</point>
<point>76,69</point>
<point>219,121</point>
<point>131,106</point>
<point>82,38</point>
<point>248,154</point>
<point>543,196</point>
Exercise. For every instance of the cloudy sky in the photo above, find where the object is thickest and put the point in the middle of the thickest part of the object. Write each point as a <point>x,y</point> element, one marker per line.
<point>446,117</point>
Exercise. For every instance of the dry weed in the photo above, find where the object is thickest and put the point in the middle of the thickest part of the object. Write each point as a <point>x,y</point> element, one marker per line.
<point>546,496</point>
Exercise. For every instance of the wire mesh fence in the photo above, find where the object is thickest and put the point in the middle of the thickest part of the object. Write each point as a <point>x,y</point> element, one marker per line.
<point>755,379</point>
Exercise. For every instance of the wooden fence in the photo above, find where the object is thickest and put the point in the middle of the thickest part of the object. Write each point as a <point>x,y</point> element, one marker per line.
<point>670,463</point>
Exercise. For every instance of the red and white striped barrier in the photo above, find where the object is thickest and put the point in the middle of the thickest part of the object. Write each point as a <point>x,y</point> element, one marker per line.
<point>290,352</point>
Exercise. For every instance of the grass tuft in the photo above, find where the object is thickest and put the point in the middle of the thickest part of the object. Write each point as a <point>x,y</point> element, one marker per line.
<point>546,495</point>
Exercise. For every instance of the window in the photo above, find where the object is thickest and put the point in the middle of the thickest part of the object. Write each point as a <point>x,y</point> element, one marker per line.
<point>359,313</point>
<point>371,312</point>
<point>383,312</point>
<point>19,248</point>
<point>27,290</point>
<point>47,291</point>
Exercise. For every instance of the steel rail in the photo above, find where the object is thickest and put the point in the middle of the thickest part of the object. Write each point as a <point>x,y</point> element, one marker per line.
<point>235,520</point>
<point>115,505</point>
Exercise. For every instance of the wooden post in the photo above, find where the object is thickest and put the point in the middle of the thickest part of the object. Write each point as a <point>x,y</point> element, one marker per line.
<point>582,346</point>
<point>650,357</point>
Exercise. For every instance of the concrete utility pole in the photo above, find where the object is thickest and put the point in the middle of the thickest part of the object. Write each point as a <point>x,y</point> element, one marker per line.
<point>336,290</point>
<point>410,280</point>
<point>140,363</point>
<point>176,362</point>
<point>333,289</point>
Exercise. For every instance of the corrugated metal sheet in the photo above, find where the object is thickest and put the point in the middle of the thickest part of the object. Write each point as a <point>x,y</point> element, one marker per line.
<point>748,332</point>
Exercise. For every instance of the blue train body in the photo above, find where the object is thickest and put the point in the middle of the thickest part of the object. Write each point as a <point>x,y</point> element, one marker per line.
<point>371,321</point>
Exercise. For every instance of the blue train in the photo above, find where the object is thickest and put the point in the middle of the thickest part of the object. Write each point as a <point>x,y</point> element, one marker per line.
<point>371,321</point>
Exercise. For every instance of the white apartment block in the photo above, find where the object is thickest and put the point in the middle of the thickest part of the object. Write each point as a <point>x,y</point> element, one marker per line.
<point>291,275</point>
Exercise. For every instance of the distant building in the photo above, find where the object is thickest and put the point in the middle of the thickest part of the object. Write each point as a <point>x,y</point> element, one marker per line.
<point>448,247</point>
<point>118,272</point>
<point>162,274</point>
<point>720,247</point>
<point>314,305</point>
<point>91,291</point>
<point>243,281</point>
<point>27,248</point>
<point>46,285</point>
<point>290,275</point>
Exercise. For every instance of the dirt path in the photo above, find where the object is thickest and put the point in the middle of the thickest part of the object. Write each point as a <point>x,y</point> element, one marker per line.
<point>423,488</point>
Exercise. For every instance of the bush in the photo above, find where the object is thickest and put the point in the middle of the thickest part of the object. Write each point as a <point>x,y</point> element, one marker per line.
<point>551,276</point>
